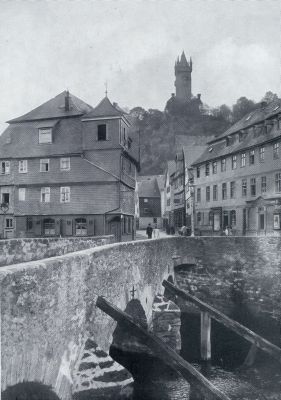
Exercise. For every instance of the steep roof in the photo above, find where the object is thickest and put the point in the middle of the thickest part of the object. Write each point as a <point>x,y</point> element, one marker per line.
<point>55,108</point>
<point>252,118</point>
<point>105,109</point>
<point>148,188</point>
<point>192,153</point>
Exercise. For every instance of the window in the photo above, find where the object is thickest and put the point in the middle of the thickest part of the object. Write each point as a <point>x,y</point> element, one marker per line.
<point>198,217</point>
<point>49,226</point>
<point>29,223</point>
<point>276,150</point>
<point>224,191</point>
<point>65,194</point>
<point>168,189</point>
<point>211,218</point>
<point>22,166</point>
<point>198,172</point>
<point>44,165</point>
<point>233,218</point>
<point>6,198</point>
<point>223,164</point>
<point>253,186</point>
<point>198,195</point>
<point>102,132</point>
<point>21,194</point>
<point>9,223</point>
<point>145,200</point>
<point>5,167</point>
<point>243,160</point>
<point>215,167</point>
<point>263,184</point>
<point>234,162</point>
<point>207,169</point>
<point>81,227</point>
<point>244,187</point>
<point>215,192</point>
<point>45,195</point>
<point>65,164</point>
<point>232,190</point>
<point>146,211</point>
<point>45,135</point>
<point>208,193</point>
<point>261,154</point>
<point>278,182</point>
<point>252,157</point>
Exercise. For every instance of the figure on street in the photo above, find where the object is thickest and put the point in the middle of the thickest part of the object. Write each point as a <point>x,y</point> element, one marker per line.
<point>156,232</point>
<point>149,231</point>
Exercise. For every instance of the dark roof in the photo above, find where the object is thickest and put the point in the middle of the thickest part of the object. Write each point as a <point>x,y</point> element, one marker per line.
<point>105,109</point>
<point>252,118</point>
<point>255,137</point>
<point>148,188</point>
<point>55,108</point>
<point>191,153</point>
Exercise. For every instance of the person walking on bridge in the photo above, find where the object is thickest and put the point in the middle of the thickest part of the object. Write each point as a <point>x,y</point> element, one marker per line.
<point>149,231</point>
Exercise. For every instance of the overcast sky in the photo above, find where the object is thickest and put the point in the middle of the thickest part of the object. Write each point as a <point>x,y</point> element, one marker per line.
<point>48,46</point>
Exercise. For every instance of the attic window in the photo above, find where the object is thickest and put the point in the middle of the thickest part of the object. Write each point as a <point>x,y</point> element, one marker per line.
<point>210,149</point>
<point>249,117</point>
<point>45,135</point>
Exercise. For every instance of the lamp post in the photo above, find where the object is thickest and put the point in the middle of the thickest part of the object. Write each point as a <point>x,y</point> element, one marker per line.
<point>192,207</point>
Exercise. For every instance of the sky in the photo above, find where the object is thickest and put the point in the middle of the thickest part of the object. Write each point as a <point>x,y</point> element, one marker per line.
<point>52,45</point>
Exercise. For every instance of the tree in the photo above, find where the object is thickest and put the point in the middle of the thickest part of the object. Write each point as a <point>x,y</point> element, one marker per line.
<point>269,97</point>
<point>242,107</point>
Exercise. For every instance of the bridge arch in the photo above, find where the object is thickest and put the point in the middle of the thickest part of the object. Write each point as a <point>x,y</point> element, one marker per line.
<point>29,391</point>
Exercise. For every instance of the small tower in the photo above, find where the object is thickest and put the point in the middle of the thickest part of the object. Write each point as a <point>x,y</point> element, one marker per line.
<point>183,71</point>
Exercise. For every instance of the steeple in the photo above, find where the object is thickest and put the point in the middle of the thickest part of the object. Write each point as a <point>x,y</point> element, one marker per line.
<point>183,70</point>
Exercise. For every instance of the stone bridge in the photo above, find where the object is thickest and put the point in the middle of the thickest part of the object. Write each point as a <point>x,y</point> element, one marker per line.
<point>49,319</point>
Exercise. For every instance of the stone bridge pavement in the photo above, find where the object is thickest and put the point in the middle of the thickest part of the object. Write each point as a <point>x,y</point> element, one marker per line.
<point>48,307</point>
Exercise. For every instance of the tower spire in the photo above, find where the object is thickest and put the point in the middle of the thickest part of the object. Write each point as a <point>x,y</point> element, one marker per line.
<point>105,84</point>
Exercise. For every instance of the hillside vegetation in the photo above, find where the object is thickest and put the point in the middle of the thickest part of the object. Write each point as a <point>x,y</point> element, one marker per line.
<point>158,129</point>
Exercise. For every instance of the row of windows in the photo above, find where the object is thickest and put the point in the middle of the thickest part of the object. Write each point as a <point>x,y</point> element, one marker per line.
<point>229,216</point>
<point>45,195</point>
<point>44,165</point>
<point>234,160</point>
<point>244,188</point>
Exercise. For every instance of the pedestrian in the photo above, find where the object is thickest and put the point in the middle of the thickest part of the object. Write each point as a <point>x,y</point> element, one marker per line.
<point>226,231</point>
<point>156,232</point>
<point>149,231</point>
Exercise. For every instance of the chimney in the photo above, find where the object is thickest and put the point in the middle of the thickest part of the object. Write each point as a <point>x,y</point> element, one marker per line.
<point>67,101</point>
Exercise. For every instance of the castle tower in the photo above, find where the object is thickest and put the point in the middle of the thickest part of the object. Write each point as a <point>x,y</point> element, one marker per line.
<point>183,71</point>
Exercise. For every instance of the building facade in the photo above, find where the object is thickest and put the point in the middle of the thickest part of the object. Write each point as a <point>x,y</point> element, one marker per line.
<point>149,202</point>
<point>68,169</point>
<point>237,180</point>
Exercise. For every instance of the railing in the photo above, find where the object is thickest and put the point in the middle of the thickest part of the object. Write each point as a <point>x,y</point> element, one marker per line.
<point>208,312</point>
<point>164,352</point>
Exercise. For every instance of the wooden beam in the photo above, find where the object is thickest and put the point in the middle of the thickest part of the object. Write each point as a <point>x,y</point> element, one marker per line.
<point>164,352</point>
<point>205,336</point>
<point>241,330</point>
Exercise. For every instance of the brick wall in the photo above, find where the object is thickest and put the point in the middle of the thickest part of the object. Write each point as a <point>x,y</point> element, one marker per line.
<point>22,250</point>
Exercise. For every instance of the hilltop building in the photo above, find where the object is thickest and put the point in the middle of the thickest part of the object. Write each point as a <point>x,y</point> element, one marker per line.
<point>237,180</point>
<point>183,70</point>
<point>68,169</point>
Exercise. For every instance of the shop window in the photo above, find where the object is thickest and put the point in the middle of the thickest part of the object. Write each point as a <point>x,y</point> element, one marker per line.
<point>49,226</point>
<point>233,218</point>
<point>80,227</point>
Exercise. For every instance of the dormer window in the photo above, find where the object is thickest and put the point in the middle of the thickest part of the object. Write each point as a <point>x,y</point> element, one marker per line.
<point>45,135</point>
<point>102,132</point>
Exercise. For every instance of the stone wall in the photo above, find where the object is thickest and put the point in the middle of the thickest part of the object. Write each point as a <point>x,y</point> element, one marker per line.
<point>22,250</point>
<point>48,307</point>
<point>239,275</point>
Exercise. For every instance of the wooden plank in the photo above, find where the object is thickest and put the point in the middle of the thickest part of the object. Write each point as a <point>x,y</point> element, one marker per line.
<point>205,336</point>
<point>241,330</point>
<point>164,352</point>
